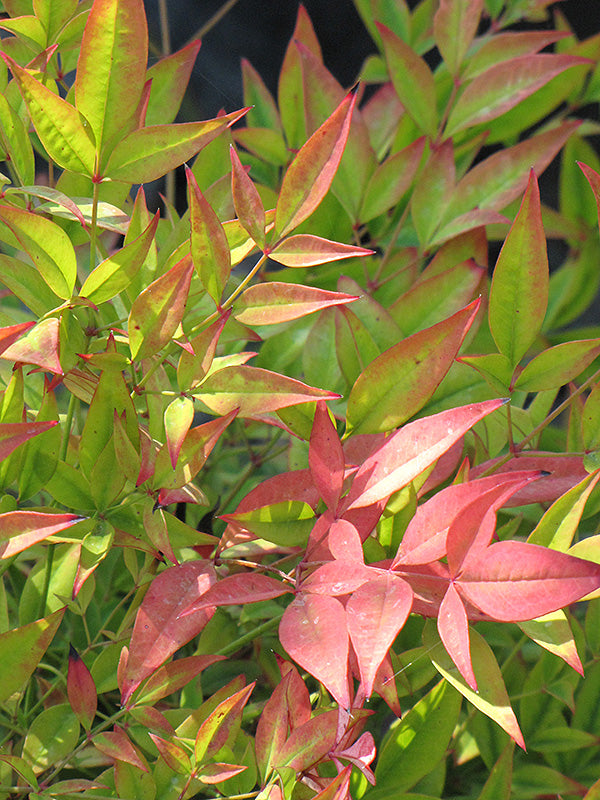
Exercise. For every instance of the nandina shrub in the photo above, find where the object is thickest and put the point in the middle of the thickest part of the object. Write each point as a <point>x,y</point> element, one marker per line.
<point>346,568</point>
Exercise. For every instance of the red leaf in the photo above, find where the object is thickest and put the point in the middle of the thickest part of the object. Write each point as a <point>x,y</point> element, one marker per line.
<point>159,631</point>
<point>81,690</point>
<point>313,631</point>
<point>339,787</point>
<point>309,176</point>
<point>21,529</point>
<point>272,728</point>
<point>116,744</point>
<point>174,675</point>
<point>375,613</point>
<point>218,771</point>
<point>326,457</point>
<point>516,581</point>
<point>11,333</point>
<point>39,346</point>
<point>310,742</point>
<point>13,434</point>
<point>246,200</point>
<point>239,590</point>
<point>405,454</point>
<point>338,577</point>
<point>306,250</point>
<point>453,627</point>
<point>344,541</point>
<point>565,472</point>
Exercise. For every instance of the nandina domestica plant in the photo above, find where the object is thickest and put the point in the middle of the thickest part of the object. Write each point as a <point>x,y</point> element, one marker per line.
<point>296,500</point>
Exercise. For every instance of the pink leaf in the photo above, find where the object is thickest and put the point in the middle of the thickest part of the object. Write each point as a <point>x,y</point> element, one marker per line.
<point>246,200</point>
<point>313,632</point>
<point>159,631</point>
<point>273,302</point>
<point>306,250</point>
<point>405,454</point>
<point>309,743</point>
<point>174,675</point>
<point>338,577</point>
<point>375,613</point>
<point>116,744</point>
<point>325,457</point>
<point>516,581</point>
<point>13,434</point>
<point>81,690</point>
<point>361,754</point>
<point>39,346</point>
<point>344,541</point>
<point>453,627</point>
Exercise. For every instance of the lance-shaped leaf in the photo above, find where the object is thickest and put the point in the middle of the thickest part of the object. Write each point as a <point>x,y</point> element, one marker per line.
<point>17,143</point>
<point>501,87</point>
<point>116,744</point>
<point>313,631</point>
<point>553,633</point>
<point>509,45</point>
<point>375,613</point>
<point>558,526</point>
<point>405,454</point>
<point>502,177</point>
<point>174,756</point>
<point>39,346</point>
<point>214,731</point>
<point>209,246</point>
<point>491,697</point>
<point>433,191</point>
<point>274,302</point>
<point>240,589</point>
<point>170,78</point>
<point>326,457</point>
<point>310,742</point>
<point>419,740</point>
<point>11,333</point>
<point>81,690</point>
<point>594,181</point>
<point>158,310</point>
<point>13,434</point>
<point>111,69</point>
<point>65,134</point>
<point>454,27</point>
<point>48,246</point>
<point>196,360</point>
<point>515,581</point>
<point>147,154</point>
<point>246,201</point>
<point>453,628</point>
<point>399,382</point>
<point>173,676</point>
<point>339,787</point>
<point>305,250</point>
<point>391,180</point>
<point>21,529</point>
<point>565,471</point>
<point>179,415</point>
<point>158,631</point>
<point>286,523</point>
<point>253,390</point>
<point>413,81</point>
<point>116,272</point>
<point>272,728</point>
<point>22,649</point>
<point>309,176</point>
<point>519,292</point>
<point>557,365</point>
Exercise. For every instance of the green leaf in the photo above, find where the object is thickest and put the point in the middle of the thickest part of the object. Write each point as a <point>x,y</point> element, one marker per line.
<point>287,524</point>
<point>111,70</point>
<point>491,697</point>
<point>399,382</point>
<point>433,191</point>
<point>52,735</point>
<point>149,153</point>
<point>591,420</point>
<point>454,27</point>
<point>26,283</point>
<point>558,365</point>
<point>65,134</point>
<point>418,742</point>
<point>158,310</point>
<point>392,178</point>
<point>209,245</point>
<point>501,87</point>
<point>246,200</point>
<point>498,784</point>
<point>254,391</point>
<point>48,246</point>
<point>519,292</point>
<point>22,649</point>
<point>170,78</point>
<point>115,273</point>
<point>413,81</point>
<point>558,525</point>
<point>16,142</point>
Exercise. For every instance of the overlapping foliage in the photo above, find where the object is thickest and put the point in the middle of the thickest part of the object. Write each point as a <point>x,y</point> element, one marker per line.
<point>411,459</point>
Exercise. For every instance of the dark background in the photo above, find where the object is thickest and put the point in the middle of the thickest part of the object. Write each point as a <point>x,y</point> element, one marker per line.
<point>259,30</point>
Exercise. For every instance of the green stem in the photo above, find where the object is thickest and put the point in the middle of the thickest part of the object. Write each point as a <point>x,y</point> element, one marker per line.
<point>94,226</point>
<point>232,647</point>
<point>64,445</point>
